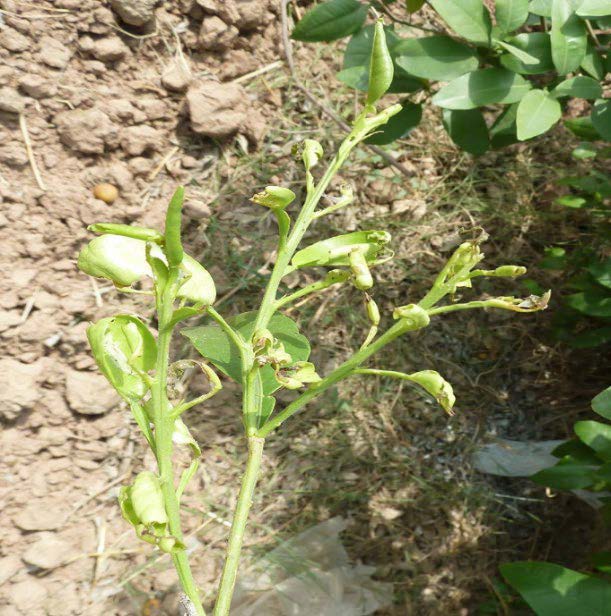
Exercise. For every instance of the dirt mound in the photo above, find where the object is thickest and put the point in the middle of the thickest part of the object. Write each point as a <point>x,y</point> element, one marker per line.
<point>124,93</point>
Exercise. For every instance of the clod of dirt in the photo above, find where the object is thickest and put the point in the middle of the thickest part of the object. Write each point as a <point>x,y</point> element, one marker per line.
<point>216,34</point>
<point>37,87</point>
<point>19,387</point>
<point>13,41</point>
<point>88,393</point>
<point>87,131</point>
<point>136,140</point>
<point>134,12</point>
<point>9,565</point>
<point>11,101</point>
<point>105,192</point>
<point>109,49</point>
<point>216,109</point>
<point>48,552</point>
<point>13,155</point>
<point>176,76</point>
<point>54,53</point>
<point>28,596</point>
<point>36,518</point>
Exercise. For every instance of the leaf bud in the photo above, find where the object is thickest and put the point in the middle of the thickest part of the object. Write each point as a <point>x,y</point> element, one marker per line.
<point>437,386</point>
<point>510,271</point>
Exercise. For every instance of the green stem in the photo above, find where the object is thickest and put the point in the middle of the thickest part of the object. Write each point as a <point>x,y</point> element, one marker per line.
<point>236,536</point>
<point>164,428</point>
<point>338,374</point>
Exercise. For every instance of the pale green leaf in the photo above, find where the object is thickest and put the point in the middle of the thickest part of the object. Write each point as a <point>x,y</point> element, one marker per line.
<point>538,111</point>
<point>468,18</point>
<point>578,87</point>
<point>511,14</point>
<point>538,47</point>
<point>330,21</point>
<point>568,36</point>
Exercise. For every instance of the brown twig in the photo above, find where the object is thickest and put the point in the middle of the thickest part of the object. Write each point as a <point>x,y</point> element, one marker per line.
<point>288,53</point>
<point>28,148</point>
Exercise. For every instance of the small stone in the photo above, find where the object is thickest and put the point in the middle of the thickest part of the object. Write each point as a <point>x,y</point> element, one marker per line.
<point>53,53</point>
<point>134,12</point>
<point>109,49</point>
<point>89,393</point>
<point>136,140</point>
<point>9,565</point>
<point>28,595</point>
<point>36,517</point>
<point>19,388</point>
<point>13,41</point>
<point>196,209</point>
<point>216,109</point>
<point>13,154</point>
<point>47,553</point>
<point>105,192</point>
<point>176,76</point>
<point>11,101</point>
<point>37,87</point>
<point>215,34</point>
<point>87,131</point>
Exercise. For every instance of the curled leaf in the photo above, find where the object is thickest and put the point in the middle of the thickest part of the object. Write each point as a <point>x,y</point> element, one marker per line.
<point>336,250</point>
<point>532,303</point>
<point>412,316</point>
<point>137,233</point>
<point>311,154</point>
<point>437,386</point>
<point>173,243</point>
<point>182,436</point>
<point>124,350</point>
<point>274,197</point>
<point>373,312</point>
<point>363,279</point>
<point>381,69</point>
<point>299,374</point>
<point>117,258</point>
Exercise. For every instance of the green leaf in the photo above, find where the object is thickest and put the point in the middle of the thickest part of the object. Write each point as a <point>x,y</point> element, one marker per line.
<point>504,130</point>
<point>381,68</point>
<point>590,338</point>
<point>173,243</point>
<point>577,452</point>
<point>601,118</point>
<point>602,272</point>
<point>467,129</point>
<point>552,590</point>
<point>413,6</point>
<point>537,45</point>
<point>468,18</point>
<point>523,56</point>
<point>566,475</point>
<point>482,87</point>
<point>568,36</point>
<point>330,21</point>
<point>578,87</point>
<point>592,62</point>
<point>594,8</point>
<point>198,286</point>
<point>123,347</point>
<point>584,151</point>
<point>214,344</point>
<point>590,303</point>
<point>538,111</point>
<point>336,250</point>
<point>439,58</point>
<point>543,8</point>
<point>582,128</point>
<point>355,71</point>
<point>511,14</point>
<point>601,403</point>
<point>595,435</point>
<point>602,561</point>
<point>398,126</point>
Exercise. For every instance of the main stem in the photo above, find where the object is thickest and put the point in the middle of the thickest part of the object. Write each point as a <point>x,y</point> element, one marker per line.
<point>164,429</point>
<point>240,519</point>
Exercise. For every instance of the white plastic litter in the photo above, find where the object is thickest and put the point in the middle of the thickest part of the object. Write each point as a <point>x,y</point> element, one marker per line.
<point>310,575</point>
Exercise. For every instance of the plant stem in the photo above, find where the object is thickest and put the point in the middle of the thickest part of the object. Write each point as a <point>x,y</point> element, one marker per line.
<point>164,428</point>
<point>240,518</point>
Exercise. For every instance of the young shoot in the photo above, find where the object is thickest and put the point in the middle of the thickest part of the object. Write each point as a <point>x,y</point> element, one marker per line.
<point>263,350</point>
